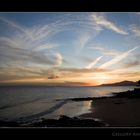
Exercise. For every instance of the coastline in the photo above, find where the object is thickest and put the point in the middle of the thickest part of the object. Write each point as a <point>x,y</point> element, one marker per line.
<point>116,112</point>
<point>120,110</point>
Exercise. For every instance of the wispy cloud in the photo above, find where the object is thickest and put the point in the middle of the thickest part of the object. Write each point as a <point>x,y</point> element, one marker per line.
<point>18,27</point>
<point>65,22</point>
<point>23,55</point>
<point>135,30</point>
<point>93,63</point>
<point>45,46</point>
<point>9,53</point>
<point>130,74</point>
<point>75,72</point>
<point>28,48</point>
<point>137,13</point>
<point>70,83</point>
<point>104,22</point>
<point>83,40</point>
<point>131,64</point>
<point>104,50</point>
<point>118,58</point>
<point>18,73</point>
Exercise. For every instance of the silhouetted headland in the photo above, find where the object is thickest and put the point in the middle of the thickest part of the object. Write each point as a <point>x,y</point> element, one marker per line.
<point>123,83</point>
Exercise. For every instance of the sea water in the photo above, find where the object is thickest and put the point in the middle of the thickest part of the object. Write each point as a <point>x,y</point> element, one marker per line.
<point>23,103</point>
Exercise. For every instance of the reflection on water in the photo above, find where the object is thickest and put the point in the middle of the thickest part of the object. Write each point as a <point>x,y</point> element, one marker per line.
<point>72,109</point>
<point>39,101</point>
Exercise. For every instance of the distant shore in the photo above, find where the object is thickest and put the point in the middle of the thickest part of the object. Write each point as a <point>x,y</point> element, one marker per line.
<point>120,110</point>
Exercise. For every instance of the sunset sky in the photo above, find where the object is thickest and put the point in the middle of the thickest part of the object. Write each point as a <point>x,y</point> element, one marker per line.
<point>72,48</point>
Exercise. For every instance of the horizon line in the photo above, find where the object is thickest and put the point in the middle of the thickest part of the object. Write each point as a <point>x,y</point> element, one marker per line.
<point>61,85</point>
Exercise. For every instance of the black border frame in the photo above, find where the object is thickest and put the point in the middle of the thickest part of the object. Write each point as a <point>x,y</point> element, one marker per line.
<point>70,6</point>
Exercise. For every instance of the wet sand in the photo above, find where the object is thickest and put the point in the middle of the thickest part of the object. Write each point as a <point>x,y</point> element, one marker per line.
<point>115,111</point>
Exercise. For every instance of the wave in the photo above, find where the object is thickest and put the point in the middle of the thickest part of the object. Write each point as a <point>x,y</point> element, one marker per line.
<point>16,104</point>
<point>46,112</point>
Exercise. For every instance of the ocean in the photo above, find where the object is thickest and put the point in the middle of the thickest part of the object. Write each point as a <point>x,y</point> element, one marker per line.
<point>30,103</point>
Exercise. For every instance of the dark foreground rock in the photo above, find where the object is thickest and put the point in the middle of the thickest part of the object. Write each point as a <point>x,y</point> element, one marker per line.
<point>65,121</point>
<point>129,94</point>
<point>9,124</point>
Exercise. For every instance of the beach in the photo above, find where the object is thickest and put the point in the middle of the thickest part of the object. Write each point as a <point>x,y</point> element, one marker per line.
<point>116,112</point>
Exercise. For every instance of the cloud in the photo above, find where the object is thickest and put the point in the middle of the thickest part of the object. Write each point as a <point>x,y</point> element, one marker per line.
<point>135,30</point>
<point>104,22</point>
<point>82,70</point>
<point>76,70</point>
<point>18,27</point>
<point>93,63</point>
<point>125,74</point>
<point>33,38</point>
<point>70,83</point>
<point>118,58</point>
<point>22,47</point>
<point>137,13</point>
<point>83,40</point>
<point>9,53</point>
<point>30,46</point>
<point>105,51</point>
<point>65,22</point>
<point>44,47</point>
<point>8,42</point>
<point>63,73</point>
<point>11,73</point>
<point>84,37</point>
<point>29,52</point>
<point>18,73</point>
<point>53,77</point>
<point>59,59</point>
<point>130,74</point>
<point>36,35</point>
<point>131,64</point>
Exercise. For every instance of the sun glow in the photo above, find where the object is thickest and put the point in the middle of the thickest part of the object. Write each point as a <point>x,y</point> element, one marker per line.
<point>101,78</point>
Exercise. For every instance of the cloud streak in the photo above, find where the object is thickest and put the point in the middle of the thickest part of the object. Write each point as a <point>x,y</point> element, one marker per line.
<point>18,27</point>
<point>24,48</point>
<point>93,63</point>
<point>83,40</point>
<point>9,53</point>
<point>103,22</point>
<point>70,83</point>
<point>106,51</point>
<point>118,58</point>
<point>132,64</point>
<point>135,30</point>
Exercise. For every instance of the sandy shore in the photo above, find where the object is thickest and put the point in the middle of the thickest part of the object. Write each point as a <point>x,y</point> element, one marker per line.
<point>116,111</point>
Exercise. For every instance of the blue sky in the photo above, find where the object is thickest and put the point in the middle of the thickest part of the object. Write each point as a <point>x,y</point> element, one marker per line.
<point>81,48</point>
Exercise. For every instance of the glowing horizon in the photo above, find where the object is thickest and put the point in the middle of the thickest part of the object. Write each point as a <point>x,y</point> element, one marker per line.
<point>69,49</point>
